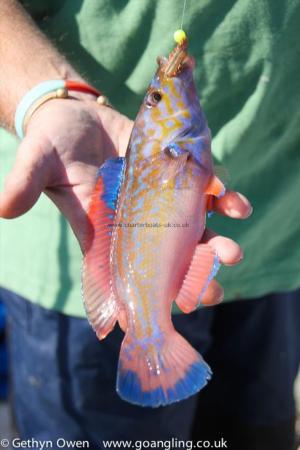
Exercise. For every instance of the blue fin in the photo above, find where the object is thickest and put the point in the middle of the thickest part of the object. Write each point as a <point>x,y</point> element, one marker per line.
<point>112,172</point>
<point>160,375</point>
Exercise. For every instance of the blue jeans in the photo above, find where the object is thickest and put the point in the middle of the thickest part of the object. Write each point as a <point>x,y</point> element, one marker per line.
<point>63,378</point>
<point>3,355</point>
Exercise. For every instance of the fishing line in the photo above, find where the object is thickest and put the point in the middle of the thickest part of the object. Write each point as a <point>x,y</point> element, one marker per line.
<point>183,12</point>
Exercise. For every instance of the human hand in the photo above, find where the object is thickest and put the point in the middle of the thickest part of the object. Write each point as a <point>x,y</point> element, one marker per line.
<point>65,143</point>
<point>236,206</point>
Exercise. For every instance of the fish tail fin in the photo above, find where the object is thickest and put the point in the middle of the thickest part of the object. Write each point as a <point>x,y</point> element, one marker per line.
<point>159,373</point>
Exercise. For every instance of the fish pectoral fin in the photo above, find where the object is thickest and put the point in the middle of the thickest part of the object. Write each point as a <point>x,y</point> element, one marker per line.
<point>165,165</point>
<point>204,266</point>
<point>175,159</point>
<point>215,187</point>
<point>100,304</point>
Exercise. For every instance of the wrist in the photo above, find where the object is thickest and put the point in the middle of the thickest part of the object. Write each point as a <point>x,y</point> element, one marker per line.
<point>11,97</point>
<point>53,90</point>
<point>27,58</point>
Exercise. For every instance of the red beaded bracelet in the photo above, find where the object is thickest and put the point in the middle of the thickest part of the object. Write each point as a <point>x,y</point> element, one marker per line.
<point>81,87</point>
<point>48,90</point>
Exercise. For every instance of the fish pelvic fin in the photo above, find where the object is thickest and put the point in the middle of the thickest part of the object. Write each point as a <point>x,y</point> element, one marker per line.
<point>161,373</point>
<point>203,268</point>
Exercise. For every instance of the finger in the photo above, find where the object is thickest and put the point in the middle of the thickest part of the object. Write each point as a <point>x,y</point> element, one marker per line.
<point>213,295</point>
<point>25,182</point>
<point>233,204</point>
<point>229,252</point>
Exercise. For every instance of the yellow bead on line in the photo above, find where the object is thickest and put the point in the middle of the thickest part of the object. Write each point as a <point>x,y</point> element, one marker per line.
<point>179,36</point>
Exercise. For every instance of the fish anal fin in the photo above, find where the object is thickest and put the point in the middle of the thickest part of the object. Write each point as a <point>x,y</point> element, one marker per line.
<point>204,266</point>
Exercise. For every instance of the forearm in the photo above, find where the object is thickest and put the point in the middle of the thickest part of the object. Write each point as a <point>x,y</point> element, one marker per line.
<point>27,58</point>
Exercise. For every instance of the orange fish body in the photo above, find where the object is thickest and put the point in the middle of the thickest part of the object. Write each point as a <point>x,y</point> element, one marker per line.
<point>148,212</point>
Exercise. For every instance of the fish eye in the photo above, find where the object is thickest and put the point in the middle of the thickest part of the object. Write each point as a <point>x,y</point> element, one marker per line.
<point>153,98</point>
<point>156,96</point>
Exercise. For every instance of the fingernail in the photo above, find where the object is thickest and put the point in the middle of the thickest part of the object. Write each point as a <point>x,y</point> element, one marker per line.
<point>236,213</point>
<point>247,204</point>
<point>237,261</point>
<point>249,212</point>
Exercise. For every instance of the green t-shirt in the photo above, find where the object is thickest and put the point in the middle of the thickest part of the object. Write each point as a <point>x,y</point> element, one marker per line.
<point>248,65</point>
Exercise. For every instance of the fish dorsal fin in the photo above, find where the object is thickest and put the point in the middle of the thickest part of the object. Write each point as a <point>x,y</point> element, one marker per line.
<point>100,304</point>
<point>112,173</point>
<point>203,268</point>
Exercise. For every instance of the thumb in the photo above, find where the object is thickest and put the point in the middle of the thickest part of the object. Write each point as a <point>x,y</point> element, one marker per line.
<point>26,181</point>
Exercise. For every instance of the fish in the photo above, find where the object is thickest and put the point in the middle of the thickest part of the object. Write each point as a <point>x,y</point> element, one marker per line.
<point>148,213</point>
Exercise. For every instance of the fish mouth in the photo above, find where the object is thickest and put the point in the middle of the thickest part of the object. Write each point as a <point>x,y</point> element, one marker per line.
<point>177,61</point>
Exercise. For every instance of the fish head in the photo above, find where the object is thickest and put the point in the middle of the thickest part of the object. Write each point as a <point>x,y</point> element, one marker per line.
<point>171,115</point>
